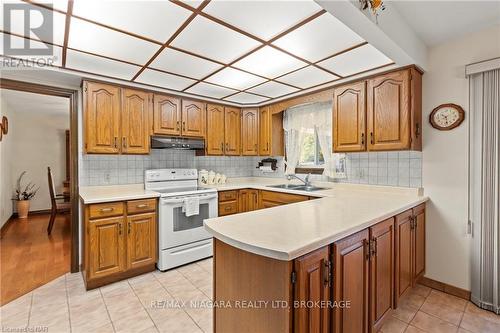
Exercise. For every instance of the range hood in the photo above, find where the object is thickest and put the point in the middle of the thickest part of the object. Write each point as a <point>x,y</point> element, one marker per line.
<point>175,142</point>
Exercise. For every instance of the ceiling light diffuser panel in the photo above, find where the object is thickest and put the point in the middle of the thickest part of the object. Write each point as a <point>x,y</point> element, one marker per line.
<point>18,42</point>
<point>319,38</point>
<point>164,80</point>
<point>184,64</point>
<point>210,90</point>
<point>214,41</point>
<point>264,19</point>
<point>245,98</point>
<point>156,20</point>
<point>234,78</point>
<point>269,62</point>
<point>360,59</point>
<point>273,89</point>
<point>100,66</point>
<point>307,77</point>
<point>93,38</point>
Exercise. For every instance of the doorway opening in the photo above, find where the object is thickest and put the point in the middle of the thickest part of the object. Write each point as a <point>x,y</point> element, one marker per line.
<point>39,186</point>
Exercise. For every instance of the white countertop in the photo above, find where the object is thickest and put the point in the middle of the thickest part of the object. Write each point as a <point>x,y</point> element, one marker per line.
<point>109,193</point>
<point>290,231</point>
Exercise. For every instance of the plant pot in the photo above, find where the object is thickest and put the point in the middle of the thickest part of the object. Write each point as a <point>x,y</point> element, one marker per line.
<point>22,207</point>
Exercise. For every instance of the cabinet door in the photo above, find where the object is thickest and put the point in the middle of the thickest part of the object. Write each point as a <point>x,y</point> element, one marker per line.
<point>243,201</point>
<point>419,241</point>
<point>141,240</point>
<point>232,132</point>
<point>193,118</point>
<point>102,118</point>
<point>253,200</point>
<point>312,285</point>
<point>215,129</point>
<point>264,131</point>
<point>350,276</point>
<point>167,115</point>
<point>107,251</point>
<point>135,121</point>
<point>250,132</point>
<point>388,111</point>
<point>349,118</point>
<point>403,254</point>
<point>381,272</point>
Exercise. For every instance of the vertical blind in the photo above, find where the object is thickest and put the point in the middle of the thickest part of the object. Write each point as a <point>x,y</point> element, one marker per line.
<point>484,185</point>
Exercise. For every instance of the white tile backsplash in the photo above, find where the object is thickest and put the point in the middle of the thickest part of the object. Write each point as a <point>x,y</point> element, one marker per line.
<point>378,168</point>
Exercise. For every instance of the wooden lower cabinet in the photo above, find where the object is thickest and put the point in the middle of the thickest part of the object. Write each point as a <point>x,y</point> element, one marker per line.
<point>312,285</point>
<point>228,202</point>
<point>269,199</point>
<point>119,241</point>
<point>381,272</point>
<point>409,249</point>
<point>248,200</point>
<point>351,277</point>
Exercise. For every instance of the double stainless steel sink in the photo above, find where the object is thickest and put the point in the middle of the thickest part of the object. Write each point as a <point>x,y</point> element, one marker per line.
<point>307,188</point>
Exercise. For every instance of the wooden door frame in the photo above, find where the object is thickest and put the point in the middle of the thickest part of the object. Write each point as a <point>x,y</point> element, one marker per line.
<point>73,111</point>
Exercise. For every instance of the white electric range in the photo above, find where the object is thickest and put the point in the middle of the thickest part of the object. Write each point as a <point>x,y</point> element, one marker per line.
<point>181,239</point>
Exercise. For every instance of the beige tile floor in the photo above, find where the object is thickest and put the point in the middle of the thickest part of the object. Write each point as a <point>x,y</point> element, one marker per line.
<point>428,310</point>
<point>175,301</point>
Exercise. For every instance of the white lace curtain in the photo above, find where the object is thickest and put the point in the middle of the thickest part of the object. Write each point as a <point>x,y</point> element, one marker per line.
<point>297,122</point>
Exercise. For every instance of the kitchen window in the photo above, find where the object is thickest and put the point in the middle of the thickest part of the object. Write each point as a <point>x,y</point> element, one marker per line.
<point>311,155</point>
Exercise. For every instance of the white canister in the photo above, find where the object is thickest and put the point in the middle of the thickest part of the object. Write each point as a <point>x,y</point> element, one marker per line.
<point>217,178</point>
<point>223,179</point>
<point>211,177</point>
<point>203,177</point>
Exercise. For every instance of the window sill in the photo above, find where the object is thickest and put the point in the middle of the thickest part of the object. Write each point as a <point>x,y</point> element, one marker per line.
<point>311,170</point>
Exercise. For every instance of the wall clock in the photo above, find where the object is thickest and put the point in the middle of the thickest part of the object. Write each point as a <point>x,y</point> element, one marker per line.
<point>447,116</point>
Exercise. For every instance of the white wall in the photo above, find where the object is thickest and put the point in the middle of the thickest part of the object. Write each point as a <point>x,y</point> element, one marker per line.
<point>37,141</point>
<point>445,170</point>
<point>6,184</point>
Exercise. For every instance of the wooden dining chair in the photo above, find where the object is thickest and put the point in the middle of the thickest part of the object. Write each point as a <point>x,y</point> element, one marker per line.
<point>57,207</point>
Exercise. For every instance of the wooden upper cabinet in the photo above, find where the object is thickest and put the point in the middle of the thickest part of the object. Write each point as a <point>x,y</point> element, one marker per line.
<point>264,131</point>
<point>106,241</point>
<point>250,132</point>
<point>193,118</point>
<point>167,115</point>
<point>381,272</point>
<point>388,111</point>
<point>351,276</point>
<point>312,285</point>
<point>135,121</point>
<point>349,118</point>
<point>232,131</point>
<point>141,241</point>
<point>215,129</point>
<point>102,118</point>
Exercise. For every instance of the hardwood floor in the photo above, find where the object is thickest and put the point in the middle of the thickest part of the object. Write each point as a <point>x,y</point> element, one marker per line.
<point>29,257</point>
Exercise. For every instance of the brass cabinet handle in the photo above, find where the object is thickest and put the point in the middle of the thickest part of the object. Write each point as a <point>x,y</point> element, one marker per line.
<point>142,206</point>
<point>105,210</point>
<point>326,272</point>
<point>178,125</point>
<point>227,208</point>
<point>124,142</point>
<point>228,147</point>
<point>129,227</point>
<point>183,125</point>
<point>366,247</point>
<point>373,246</point>
<point>116,142</point>
<point>222,146</point>
<point>371,138</point>
<point>120,229</point>
<point>362,139</point>
<point>417,130</point>
<point>267,146</point>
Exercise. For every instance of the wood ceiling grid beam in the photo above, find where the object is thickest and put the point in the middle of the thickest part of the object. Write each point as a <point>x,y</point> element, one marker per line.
<point>67,25</point>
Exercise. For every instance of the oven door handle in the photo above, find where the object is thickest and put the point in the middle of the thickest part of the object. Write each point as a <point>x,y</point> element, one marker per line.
<point>202,198</point>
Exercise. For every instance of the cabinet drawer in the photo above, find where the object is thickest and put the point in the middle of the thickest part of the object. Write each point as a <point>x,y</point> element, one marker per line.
<point>105,210</point>
<point>282,197</point>
<point>141,206</point>
<point>269,204</point>
<point>227,208</point>
<point>228,196</point>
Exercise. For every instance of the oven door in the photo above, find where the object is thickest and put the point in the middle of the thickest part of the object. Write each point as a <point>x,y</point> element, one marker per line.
<point>176,228</point>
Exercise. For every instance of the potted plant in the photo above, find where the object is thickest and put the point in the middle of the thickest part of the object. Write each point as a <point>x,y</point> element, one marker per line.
<point>23,196</point>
